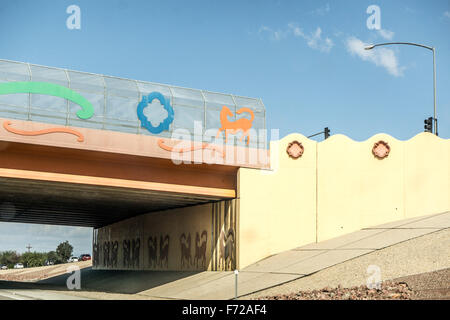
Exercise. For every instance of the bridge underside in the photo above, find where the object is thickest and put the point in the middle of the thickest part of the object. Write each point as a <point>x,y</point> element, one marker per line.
<point>58,203</point>
<point>62,186</point>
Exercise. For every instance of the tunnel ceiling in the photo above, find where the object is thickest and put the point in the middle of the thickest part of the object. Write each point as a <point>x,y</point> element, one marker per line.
<point>56,203</point>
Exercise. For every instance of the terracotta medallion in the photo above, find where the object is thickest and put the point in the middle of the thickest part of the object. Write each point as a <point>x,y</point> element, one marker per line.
<point>381,149</point>
<point>295,149</point>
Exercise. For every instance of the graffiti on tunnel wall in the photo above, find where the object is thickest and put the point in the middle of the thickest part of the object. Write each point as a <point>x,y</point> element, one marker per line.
<point>164,251</point>
<point>110,253</point>
<point>152,252</point>
<point>200,249</point>
<point>205,241</point>
<point>131,253</point>
<point>226,248</point>
<point>224,255</point>
<point>185,250</point>
<point>161,260</point>
<point>199,259</point>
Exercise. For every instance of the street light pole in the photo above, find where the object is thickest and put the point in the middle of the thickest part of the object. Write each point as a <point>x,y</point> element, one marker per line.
<point>434,87</point>
<point>434,70</point>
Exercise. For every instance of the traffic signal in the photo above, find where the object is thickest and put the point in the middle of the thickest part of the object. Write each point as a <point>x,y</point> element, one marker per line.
<point>428,124</point>
<point>327,133</point>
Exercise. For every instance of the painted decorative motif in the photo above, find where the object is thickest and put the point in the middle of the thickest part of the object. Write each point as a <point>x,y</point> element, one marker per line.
<point>185,244</point>
<point>193,147</point>
<point>200,248</point>
<point>126,253</point>
<point>224,236</point>
<point>95,257</point>
<point>233,127</point>
<point>152,252</point>
<point>145,123</point>
<point>164,251</point>
<point>295,149</point>
<point>131,253</point>
<point>226,248</point>
<point>381,149</point>
<point>86,112</point>
<point>110,253</point>
<point>163,260</point>
<point>7,126</point>
<point>114,253</point>
<point>106,250</point>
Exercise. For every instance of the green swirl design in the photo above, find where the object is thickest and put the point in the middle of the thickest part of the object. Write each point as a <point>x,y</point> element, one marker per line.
<point>50,89</point>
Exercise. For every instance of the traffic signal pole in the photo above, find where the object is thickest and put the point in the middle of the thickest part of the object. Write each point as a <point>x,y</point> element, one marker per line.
<point>326,132</point>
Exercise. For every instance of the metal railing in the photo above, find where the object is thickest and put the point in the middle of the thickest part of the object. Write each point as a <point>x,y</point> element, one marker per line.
<point>115,101</point>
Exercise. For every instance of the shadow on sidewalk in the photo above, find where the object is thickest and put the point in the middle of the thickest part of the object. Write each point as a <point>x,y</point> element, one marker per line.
<point>111,281</point>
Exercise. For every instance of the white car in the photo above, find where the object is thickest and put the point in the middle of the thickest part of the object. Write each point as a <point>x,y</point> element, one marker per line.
<point>18,266</point>
<point>4,267</point>
<point>73,259</point>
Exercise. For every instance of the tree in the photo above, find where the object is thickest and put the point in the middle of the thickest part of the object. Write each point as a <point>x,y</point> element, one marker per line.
<point>64,251</point>
<point>9,258</point>
<point>52,256</point>
<point>33,259</point>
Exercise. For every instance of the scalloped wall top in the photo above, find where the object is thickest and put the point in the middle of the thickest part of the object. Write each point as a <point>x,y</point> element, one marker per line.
<point>377,136</point>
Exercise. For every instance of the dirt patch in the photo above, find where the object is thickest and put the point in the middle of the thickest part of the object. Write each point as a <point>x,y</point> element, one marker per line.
<point>40,273</point>
<point>430,285</point>
<point>388,291</point>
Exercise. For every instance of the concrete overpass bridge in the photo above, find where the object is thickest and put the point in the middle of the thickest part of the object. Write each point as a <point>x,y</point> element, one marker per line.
<point>180,179</point>
<point>82,149</point>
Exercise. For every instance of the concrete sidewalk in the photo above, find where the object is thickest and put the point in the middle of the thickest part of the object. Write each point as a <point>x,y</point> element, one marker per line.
<point>19,294</point>
<point>300,262</point>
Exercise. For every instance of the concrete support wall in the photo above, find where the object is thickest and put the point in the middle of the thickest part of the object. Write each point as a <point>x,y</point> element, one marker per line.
<point>336,187</point>
<point>200,237</point>
<point>277,208</point>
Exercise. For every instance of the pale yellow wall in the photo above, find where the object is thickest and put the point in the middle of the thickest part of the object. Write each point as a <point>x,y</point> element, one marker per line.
<point>427,175</point>
<point>278,211</point>
<point>356,189</point>
<point>277,207</point>
<point>336,187</point>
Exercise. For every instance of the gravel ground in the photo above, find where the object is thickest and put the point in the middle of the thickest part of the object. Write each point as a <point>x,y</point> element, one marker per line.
<point>429,285</point>
<point>427,253</point>
<point>387,291</point>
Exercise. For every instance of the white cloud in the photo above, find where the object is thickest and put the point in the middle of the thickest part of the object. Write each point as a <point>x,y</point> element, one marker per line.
<point>273,35</point>
<point>386,34</point>
<point>17,236</point>
<point>51,231</point>
<point>314,40</point>
<point>447,14</point>
<point>383,57</point>
<point>296,30</point>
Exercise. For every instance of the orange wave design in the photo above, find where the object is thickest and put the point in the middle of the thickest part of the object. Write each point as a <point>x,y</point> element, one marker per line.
<point>7,126</point>
<point>204,145</point>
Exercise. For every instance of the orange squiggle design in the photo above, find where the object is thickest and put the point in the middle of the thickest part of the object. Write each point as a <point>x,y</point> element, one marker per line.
<point>192,148</point>
<point>7,124</point>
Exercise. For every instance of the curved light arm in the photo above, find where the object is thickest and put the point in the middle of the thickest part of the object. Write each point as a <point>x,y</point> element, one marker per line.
<point>408,43</point>
<point>370,47</point>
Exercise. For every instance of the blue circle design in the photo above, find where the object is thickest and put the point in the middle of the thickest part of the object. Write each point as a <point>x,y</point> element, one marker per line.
<point>144,121</point>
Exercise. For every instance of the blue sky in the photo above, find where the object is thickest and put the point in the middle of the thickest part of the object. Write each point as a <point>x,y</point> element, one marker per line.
<point>302,58</point>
